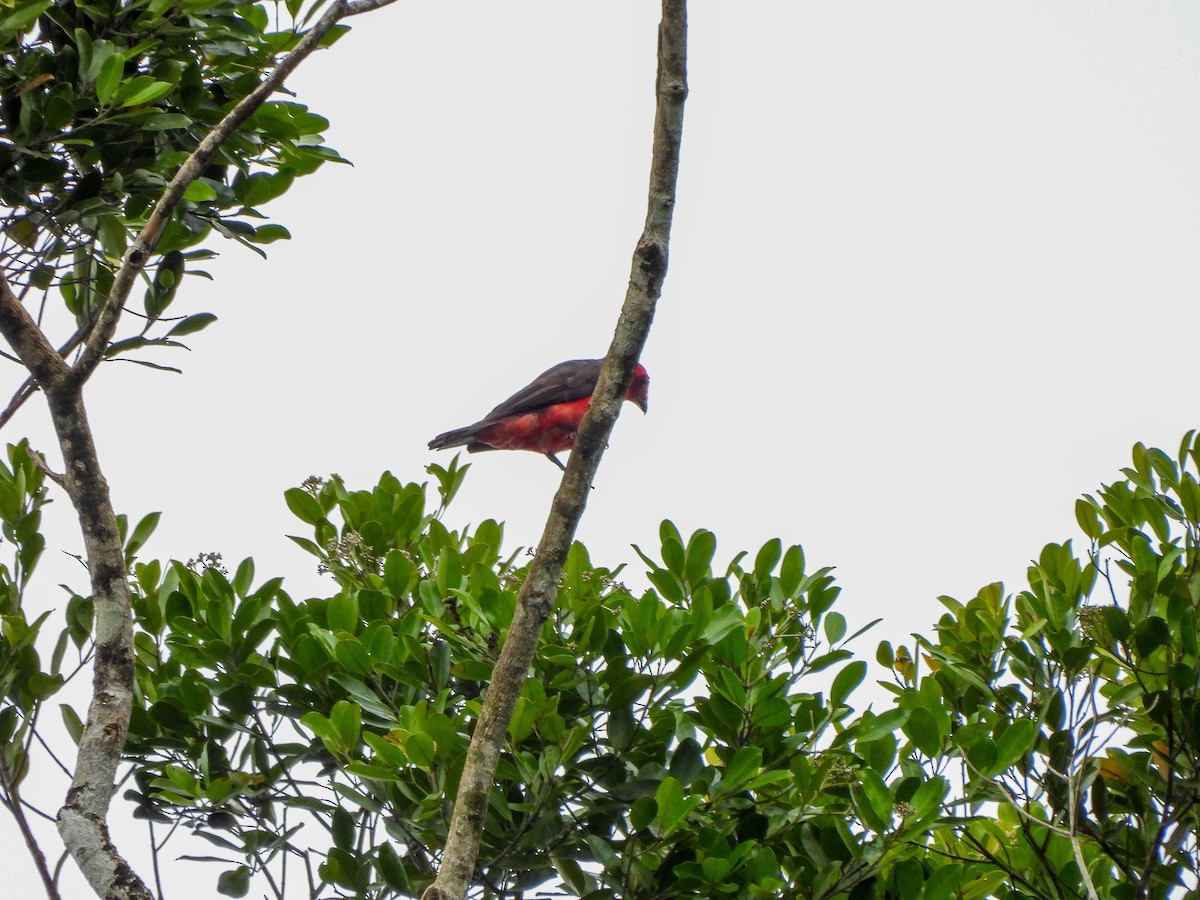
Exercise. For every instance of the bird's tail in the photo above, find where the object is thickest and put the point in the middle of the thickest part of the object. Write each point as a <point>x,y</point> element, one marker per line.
<point>456,438</point>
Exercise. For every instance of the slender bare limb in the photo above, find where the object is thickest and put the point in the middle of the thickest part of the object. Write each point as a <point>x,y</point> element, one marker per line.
<point>12,799</point>
<point>540,589</point>
<point>154,860</point>
<point>24,392</point>
<point>29,387</point>
<point>26,339</point>
<point>41,464</point>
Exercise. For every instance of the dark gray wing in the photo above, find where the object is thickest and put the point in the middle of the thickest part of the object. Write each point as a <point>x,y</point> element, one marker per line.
<point>567,381</point>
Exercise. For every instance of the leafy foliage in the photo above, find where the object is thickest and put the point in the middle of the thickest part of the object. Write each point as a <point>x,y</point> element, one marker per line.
<point>695,738</point>
<point>24,682</point>
<point>101,102</point>
<point>1071,708</point>
<point>662,743</point>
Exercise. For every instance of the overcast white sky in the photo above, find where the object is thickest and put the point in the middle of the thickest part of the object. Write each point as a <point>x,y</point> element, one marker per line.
<point>934,271</point>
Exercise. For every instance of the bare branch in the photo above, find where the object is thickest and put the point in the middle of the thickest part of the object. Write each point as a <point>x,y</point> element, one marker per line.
<point>29,387</point>
<point>540,589</point>
<point>24,392</point>
<point>44,466</point>
<point>12,799</point>
<point>27,340</point>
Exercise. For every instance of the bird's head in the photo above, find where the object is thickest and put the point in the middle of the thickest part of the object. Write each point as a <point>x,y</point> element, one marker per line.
<point>639,388</point>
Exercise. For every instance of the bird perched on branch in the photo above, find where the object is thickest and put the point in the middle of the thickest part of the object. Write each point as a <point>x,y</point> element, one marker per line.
<point>544,415</point>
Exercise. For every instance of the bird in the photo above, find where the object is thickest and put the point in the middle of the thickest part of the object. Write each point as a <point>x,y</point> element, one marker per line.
<point>545,414</point>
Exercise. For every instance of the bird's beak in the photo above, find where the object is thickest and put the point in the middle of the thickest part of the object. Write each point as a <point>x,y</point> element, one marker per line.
<point>641,403</point>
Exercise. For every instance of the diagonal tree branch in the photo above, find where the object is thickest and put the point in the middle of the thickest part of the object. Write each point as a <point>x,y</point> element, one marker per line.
<point>10,796</point>
<point>27,340</point>
<point>143,245</point>
<point>540,589</point>
<point>29,387</point>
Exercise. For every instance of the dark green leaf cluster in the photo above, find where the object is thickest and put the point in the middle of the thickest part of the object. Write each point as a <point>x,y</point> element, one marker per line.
<point>100,102</point>
<point>665,745</point>
<point>1072,710</point>
<point>25,682</point>
<point>695,738</point>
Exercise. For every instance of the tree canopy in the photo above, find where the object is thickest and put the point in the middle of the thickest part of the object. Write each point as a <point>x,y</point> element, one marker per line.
<point>711,733</point>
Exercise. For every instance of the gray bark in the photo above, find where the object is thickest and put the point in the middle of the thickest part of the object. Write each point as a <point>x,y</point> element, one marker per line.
<point>540,589</point>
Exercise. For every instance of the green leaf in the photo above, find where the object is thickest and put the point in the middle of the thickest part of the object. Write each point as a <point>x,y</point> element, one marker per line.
<point>112,236</point>
<point>835,627</point>
<point>767,558</point>
<point>886,723</point>
<point>1089,519</point>
<point>346,719</point>
<point>846,681</point>
<point>243,578</point>
<point>269,234</point>
<point>342,613</point>
<point>571,873</point>
<point>687,761</point>
<point>1150,634</point>
<point>791,574</point>
<point>25,232</point>
<point>392,869</point>
<point>928,797</point>
<point>878,797</point>
<point>200,192</point>
<point>922,729</point>
<point>909,877</point>
<point>621,726</point>
<point>699,556</point>
<point>235,882</point>
<point>744,765</point>
<point>192,324</point>
<point>673,554</point>
<point>72,722</point>
<point>353,656</point>
<point>109,78</point>
<point>1015,742</point>
<point>343,830</point>
<point>141,533</point>
<point>260,187</point>
<point>25,16</point>
<point>672,806</point>
<point>165,122</point>
<point>304,505</point>
<point>420,749</point>
<point>885,655</point>
<point>145,93</point>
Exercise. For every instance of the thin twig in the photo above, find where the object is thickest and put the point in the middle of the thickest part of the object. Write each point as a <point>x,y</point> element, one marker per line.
<point>41,464</point>
<point>154,860</point>
<point>12,800</point>
<point>53,756</point>
<point>29,388</point>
